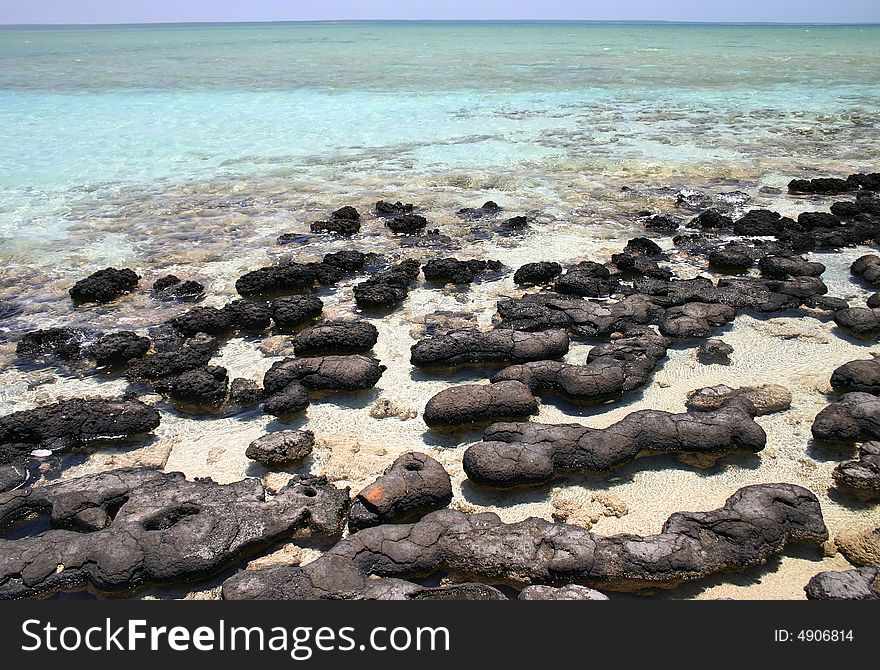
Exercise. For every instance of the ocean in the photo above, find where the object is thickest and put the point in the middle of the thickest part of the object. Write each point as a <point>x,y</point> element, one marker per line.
<point>189,149</point>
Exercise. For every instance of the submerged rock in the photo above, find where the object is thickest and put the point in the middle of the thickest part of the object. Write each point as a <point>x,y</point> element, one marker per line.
<point>384,208</point>
<point>711,219</point>
<point>766,399</point>
<point>867,267</point>
<point>62,343</point>
<point>733,258</point>
<point>171,287</point>
<point>104,286</point>
<point>517,454</point>
<point>287,447</point>
<point>245,392</point>
<point>336,337</point>
<point>130,528</point>
<point>345,227</point>
<point>754,524</point>
<point>287,401</point>
<point>695,319</point>
<point>407,224</point>
<point>469,346</point>
<point>414,485</point>
<point>479,404</point>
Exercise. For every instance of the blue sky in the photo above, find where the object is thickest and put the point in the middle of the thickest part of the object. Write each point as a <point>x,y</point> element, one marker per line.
<point>137,11</point>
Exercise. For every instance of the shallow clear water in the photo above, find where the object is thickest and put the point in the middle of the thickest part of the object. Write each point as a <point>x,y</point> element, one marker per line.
<point>190,149</point>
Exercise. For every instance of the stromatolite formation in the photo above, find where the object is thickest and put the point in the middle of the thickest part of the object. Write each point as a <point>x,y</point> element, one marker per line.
<point>863,375</point>
<point>124,529</point>
<point>469,346</point>
<point>414,485</point>
<point>855,417</point>
<point>104,285</point>
<point>858,584</point>
<point>286,447</point>
<point>518,454</point>
<point>755,523</point>
<point>336,337</point>
<point>861,476</point>
<point>480,404</point>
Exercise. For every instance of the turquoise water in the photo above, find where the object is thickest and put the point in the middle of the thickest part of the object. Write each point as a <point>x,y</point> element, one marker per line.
<point>114,124</point>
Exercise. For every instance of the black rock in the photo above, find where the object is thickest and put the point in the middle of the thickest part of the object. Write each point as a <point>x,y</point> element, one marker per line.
<point>453,271</point>
<point>695,319</point>
<point>662,224</point>
<point>125,529</point>
<point>206,386</point>
<point>537,273</point>
<point>714,350</point>
<point>868,268</point>
<point>407,224</point>
<point>347,213</point>
<point>754,524</point>
<point>711,219</point>
<point>861,376</point>
<point>588,279</point>
<point>295,310</point>
<point>208,320</point>
<point>324,373</point>
<point>861,476</point>
<point>336,337</point>
<point>249,315</point>
<point>869,182</point>
<point>782,267</point>
<point>861,322</point>
<point>171,287</point>
<point>414,485</point>
<point>735,258</point>
<point>858,584</point>
<point>118,348</point>
<point>761,223</point>
<point>347,260</point>
<point>855,418</point>
<point>820,185</point>
<point>160,368</point>
<point>290,400</point>
<point>104,285</point>
<point>642,246</point>
<point>388,288</point>
<point>515,223</point>
<point>517,454</point>
<point>479,404</point>
<point>384,208</point>
<point>468,346</point>
<point>63,343</point>
<point>245,392</point>
<point>285,278</point>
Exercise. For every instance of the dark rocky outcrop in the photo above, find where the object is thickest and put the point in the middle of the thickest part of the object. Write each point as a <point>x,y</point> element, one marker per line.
<point>733,258</point>
<point>275,279</point>
<point>714,350</point>
<point>765,399</point>
<point>517,454</point>
<point>633,265</point>
<point>414,485</point>
<point>862,475</point>
<point>125,529</point>
<point>287,401</point>
<point>821,185</point>
<point>711,219</point>
<point>348,260</point>
<point>72,423</point>
<point>336,337</point>
<point>857,376</point>
<point>541,272</point>
<point>207,386</point>
<point>783,267</point>
<point>115,349</point>
<point>281,449</point>
<point>479,404</point>
<point>470,346</point>
<point>245,392</point>
<point>249,315</point>
<point>171,287</point>
<point>762,223</point>
<point>584,318</point>
<point>324,373</point>
<point>344,221</point>
<point>867,267</point>
<point>161,368</point>
<point>489,208</point>
<point>388,288</point>
<point>208,320</point>
<point>61,343</point>
<point>855,418</point>
<point>453,271</point>
<point>661,224</point>
<point>295,310</point>
<point>858,584</point>
<point>588,279</point>
<point>384,208</point>
<point>407,224</point>
<point>695,319</point>
<point>104,286</point>
<point>611,370</point>
<point>754,524</point>
<point>860,322</point>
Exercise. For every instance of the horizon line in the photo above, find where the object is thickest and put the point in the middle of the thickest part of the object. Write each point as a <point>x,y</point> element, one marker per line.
<point>351,21</point>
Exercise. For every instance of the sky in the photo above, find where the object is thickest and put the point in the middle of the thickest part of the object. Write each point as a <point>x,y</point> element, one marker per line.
<point>169,11</point>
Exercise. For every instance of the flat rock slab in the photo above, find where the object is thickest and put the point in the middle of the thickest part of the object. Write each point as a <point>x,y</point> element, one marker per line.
<point>129,528</point>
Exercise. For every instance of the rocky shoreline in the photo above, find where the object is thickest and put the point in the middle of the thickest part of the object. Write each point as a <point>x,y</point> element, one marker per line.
<point>634,311</point>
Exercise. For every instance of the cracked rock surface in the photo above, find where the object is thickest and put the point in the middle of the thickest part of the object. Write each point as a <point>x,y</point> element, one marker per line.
<point>461,347</point>
<point>517,454</point>
<point>128,528</point>
<point>414,485</point>
<point>858,584</point>
<point>755,523</point>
